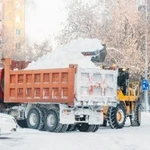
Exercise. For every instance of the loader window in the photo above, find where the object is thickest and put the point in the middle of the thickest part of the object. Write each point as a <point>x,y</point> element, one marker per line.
<point>123,80</point>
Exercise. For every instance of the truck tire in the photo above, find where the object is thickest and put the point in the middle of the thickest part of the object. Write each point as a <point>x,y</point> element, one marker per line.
<point>64,128</point>
<point>44,111</point>
<point>104,123</point>
<point>96,128</point>
<point>117,116</point>
<point>136,120</point>
<point>51,121</point>
<point>22,123</point>
<point>83,127</point>
<point>91,128</point>
<point>35,119</point>
<point>71,127</point>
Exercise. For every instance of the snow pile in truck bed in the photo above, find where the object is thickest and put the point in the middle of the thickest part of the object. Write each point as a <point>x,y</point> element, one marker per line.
<point>68,54</point>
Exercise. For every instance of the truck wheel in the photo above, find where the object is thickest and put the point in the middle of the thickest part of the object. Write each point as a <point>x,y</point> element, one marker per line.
<point>96,128</point>
<point>51,121</point>
<point>136,119</point>
<point>71,127</point>
<point>22,123</point>
<point>83,127</point>
<point>44,111</point>
<point>64,128</point>
<point>35,119</point>
<point>117,116</point>
<point>104,123</point>
<point>91,128</point>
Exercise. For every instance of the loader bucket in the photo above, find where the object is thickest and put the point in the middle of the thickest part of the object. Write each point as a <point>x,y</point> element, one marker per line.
<point>97,55</point>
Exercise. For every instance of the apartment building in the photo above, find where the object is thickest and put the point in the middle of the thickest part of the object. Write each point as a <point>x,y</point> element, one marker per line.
<point>12,26</point>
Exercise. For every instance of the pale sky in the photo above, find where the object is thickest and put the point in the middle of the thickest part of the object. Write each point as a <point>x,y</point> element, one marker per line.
<point>44,17</point>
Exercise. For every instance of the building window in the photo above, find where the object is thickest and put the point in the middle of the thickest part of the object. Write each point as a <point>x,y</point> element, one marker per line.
<point>18,31</point>
<point>18,19</point>
<point>18,5</point>
<point>18,45</point>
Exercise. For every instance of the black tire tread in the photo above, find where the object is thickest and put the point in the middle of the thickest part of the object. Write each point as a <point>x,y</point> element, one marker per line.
<point>136,122</point>
<point>112,119</point>
<point>96,128</point>
<point>40,124</point>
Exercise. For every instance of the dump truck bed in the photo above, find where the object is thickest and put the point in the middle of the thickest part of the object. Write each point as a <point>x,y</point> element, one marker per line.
<point>72,85</point>
<point>50,85</point>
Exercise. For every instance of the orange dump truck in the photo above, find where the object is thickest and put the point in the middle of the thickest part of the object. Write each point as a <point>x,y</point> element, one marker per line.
<point>58,99</point>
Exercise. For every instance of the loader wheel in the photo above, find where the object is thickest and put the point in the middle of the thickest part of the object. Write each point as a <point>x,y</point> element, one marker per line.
<point>51,121</point>
<point>35,119</point>
<point>117,116</point>
<point>136,120</point>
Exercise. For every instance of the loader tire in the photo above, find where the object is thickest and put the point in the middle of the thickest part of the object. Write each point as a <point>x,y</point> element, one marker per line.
<point>136,121</point>
<point>117,116</point>
<point>35,119</point>
<point>52,121</point>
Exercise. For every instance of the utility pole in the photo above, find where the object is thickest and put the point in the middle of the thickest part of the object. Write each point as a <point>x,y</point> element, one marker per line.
<point>146,59</point>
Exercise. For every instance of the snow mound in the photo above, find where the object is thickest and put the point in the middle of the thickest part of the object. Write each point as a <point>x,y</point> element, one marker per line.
<point>68,54</point>
<point>82,45</point>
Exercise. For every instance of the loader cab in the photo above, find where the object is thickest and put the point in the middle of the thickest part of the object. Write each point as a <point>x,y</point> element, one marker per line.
<point>123,80</point>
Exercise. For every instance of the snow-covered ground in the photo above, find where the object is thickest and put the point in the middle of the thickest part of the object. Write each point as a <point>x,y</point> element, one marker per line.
<point>128,138</point>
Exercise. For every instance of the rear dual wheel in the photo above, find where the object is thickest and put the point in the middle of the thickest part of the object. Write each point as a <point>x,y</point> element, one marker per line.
<point>71,127</point>
<point>84,127</point>
<point>52,122</point>
<point>35,118</point>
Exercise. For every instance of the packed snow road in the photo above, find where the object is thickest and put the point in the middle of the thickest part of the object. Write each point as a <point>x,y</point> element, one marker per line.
<point>128,138</point>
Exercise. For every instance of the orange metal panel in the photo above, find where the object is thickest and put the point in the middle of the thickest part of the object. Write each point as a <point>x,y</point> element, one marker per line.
<point>50,85</point>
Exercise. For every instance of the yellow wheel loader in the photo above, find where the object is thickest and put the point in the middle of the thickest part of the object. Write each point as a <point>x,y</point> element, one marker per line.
<point>128,103</point>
